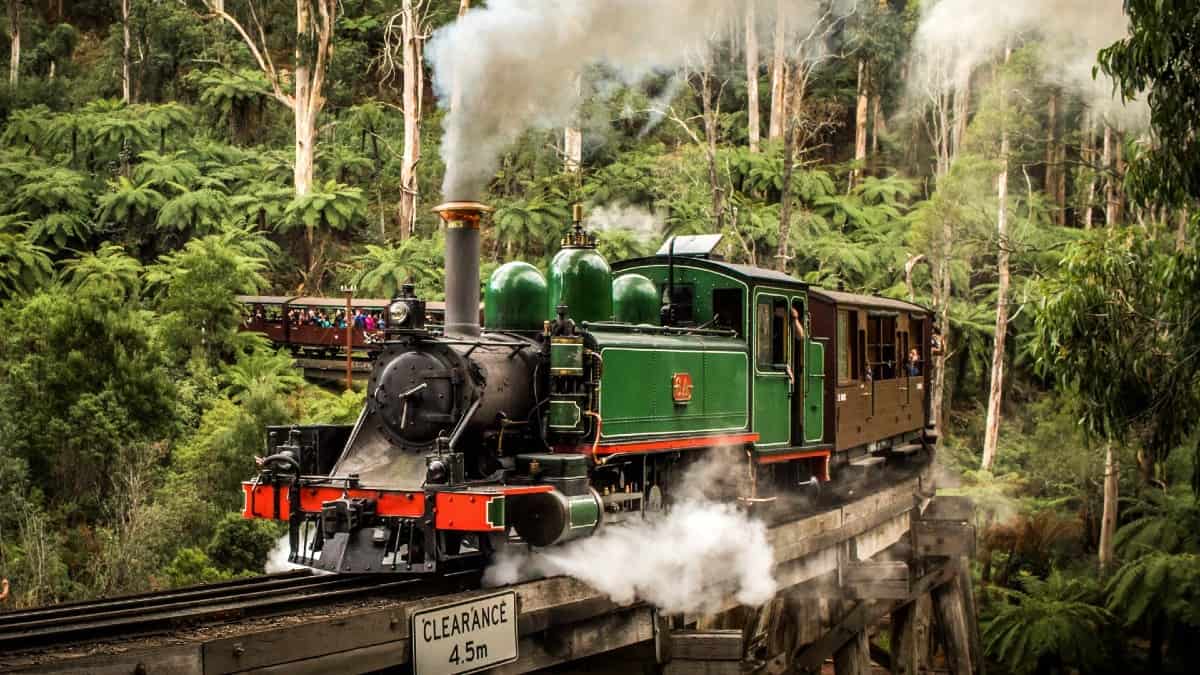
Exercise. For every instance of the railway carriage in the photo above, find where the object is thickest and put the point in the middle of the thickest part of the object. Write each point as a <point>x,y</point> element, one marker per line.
<point>583,399</point>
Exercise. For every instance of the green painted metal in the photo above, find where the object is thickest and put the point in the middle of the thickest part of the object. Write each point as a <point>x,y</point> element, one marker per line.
<point>814,393</point>
<point>566,356</point>
<point>565,415</point>
<point>635,300</point>
<point>636,384</point>
<point>583,511</point>
<point>580,279</point>
<point>514,298</point>
<point>495,511</point>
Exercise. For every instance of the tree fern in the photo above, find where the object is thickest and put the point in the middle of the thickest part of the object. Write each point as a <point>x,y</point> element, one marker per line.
<point>109,271</point>
<point>1053,626</point>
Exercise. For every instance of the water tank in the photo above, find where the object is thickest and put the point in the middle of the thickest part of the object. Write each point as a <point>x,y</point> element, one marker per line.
<point>635,300</point>
<point>515,298</point>
<point>581,279</point>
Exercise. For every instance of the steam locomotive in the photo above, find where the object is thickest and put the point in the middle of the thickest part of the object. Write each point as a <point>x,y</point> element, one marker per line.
<point>585,396</point>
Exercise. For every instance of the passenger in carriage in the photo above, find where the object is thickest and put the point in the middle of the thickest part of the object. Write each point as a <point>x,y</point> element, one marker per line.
<point>914,362</point>
<point>369,322</point>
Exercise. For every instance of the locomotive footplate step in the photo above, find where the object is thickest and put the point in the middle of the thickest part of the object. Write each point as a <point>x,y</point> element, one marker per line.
<point>909,449</point>
<point>867,461</point>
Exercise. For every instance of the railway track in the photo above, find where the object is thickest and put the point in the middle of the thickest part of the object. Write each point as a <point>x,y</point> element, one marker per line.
<point>150,613</point>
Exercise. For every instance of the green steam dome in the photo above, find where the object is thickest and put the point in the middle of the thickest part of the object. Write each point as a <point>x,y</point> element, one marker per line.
<point>635,300</point>
<point>581,279</point>
<point>514,298</point>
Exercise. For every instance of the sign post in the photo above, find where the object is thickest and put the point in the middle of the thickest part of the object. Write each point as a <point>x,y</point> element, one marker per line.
<point>349,291</point>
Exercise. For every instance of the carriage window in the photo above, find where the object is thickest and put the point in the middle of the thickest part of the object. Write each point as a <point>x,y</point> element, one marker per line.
<point>844,346</point>
<point>881,347</point>
<point>772,329</point>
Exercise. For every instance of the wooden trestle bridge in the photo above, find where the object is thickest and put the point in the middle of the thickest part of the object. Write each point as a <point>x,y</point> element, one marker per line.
<point>896,557</point>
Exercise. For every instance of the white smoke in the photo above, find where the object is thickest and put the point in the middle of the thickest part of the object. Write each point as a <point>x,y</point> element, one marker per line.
<point>277,560</point>
<point>513,64</point>
<point>688,560</point>
<point>957,36</point>
<point>643,223</point>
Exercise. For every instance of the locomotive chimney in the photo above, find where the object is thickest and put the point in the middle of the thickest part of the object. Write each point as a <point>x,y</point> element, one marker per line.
<point>462,265</point>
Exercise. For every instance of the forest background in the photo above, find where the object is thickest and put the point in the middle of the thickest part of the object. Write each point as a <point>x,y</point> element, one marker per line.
<point>159,157</point>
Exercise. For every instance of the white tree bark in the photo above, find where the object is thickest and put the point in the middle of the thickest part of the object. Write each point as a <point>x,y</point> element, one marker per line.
<point>778,74</point>
<point>573,137</point>
<point>1110,192</point>
<point>991,436</point>
<point>126,85</point>
<point>14,35</point>
<point>860,125</point>
<point>1108,521</point>
<point>1087,151</point>
<point>412,36</point>
<point>753,124</point>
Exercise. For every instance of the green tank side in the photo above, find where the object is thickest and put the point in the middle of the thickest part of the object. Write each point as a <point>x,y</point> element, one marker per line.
<point>635,300</point>
<point>581,279</point>
<point>514,298</point>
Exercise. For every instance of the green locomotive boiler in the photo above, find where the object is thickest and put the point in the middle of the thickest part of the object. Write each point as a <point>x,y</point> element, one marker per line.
<point>585,396</point>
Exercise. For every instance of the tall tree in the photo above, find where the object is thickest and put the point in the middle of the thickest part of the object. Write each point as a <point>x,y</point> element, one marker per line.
<point>991,434</point>
<point>126,85</point>
<point>778,73</point>
<point>753,124</point>
<point>573,137</point>
<point>861,112</point>
<point>14,36</point>
<point>406,34</point>
<point>314,46</point>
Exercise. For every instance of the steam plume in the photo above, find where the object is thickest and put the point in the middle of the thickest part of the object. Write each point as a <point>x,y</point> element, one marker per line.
<point>687,560</point>
<point>956,36</point>
<point>512,65</point>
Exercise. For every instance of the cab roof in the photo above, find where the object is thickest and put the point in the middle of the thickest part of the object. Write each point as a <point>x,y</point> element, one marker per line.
<point>747,273</point>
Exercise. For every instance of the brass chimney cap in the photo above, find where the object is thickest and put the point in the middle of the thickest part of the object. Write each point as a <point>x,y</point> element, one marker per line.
<point>462,214</point>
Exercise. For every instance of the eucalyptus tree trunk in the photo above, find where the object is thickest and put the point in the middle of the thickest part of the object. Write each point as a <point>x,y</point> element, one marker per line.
<point>412,99</point>
<point>1110,187</point>
<point>1052,166</point>
<point>778,74</point>
<point>1181,223</point>
<point>1088,154</point>
<point>573,138</point>
<point>126,85</point>
<point>1108,521</point>
<point>991,436</point>
<point>860,124</point>
<point>14,35</point>
<point>752,121</point>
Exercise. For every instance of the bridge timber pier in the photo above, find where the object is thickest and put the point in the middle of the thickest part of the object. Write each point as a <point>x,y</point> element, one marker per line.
<point>898,556</point>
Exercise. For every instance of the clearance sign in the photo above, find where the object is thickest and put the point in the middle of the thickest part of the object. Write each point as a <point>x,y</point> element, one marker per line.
<point>465,637</point>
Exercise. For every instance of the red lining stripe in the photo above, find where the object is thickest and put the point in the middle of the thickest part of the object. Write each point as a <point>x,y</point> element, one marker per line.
<point>789,456</point>
<point>675,444</point>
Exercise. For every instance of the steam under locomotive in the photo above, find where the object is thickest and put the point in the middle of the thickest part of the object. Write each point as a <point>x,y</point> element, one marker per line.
<point>584,397</point>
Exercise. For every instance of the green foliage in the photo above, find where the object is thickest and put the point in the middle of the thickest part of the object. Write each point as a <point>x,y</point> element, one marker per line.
<point>108,273</point>
<point>24,266</point>
<point>1093,335</point>
<point>1158,582</point>
<point>241,545</point>
<point>384,269</point>
<point>196,288</point>
<point>1055,626</point>
<point>83,380</point>
<point>1154,63</point>
<point>329,205</point>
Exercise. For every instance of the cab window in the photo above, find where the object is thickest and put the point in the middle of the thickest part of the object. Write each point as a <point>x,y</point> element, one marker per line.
<point>771,331</point>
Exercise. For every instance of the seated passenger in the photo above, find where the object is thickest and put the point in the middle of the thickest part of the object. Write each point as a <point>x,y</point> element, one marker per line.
<point>914,362</point>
